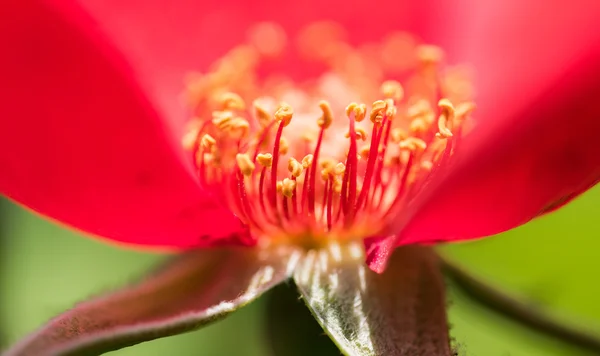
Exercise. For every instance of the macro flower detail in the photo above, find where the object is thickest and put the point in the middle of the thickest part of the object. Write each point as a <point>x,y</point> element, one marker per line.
<point>317,143</point>
<point>304,164</point>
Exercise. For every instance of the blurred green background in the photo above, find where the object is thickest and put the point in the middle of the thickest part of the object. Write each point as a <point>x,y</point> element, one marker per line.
<point>553,262</point>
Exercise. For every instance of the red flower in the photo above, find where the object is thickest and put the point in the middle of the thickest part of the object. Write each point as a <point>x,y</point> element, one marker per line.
<point>92,119</point>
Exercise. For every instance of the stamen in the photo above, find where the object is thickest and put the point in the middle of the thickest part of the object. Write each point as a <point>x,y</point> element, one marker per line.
<point>377,111</point>
<point>287,187</point>
<point>232,101</point>
<point>327,117</point>
<point>265,159</point>
<point>393,90</point>
<point>237,147</point>
<point>295,167</point>
<point>445,119</point>
<point>208,143</point>
<point>245,164</point>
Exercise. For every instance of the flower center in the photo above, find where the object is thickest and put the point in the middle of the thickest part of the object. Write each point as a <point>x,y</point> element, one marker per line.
<point>310,162</point>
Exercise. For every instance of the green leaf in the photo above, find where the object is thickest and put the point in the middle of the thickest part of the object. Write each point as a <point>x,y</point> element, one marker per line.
<point>191,291</point>
<point>399,312</point>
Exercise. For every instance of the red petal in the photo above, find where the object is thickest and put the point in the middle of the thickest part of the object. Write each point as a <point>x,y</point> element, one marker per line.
<point>81,143</point>
<point>535,149</point>
<point>522,166</point>
<point>165,39</point>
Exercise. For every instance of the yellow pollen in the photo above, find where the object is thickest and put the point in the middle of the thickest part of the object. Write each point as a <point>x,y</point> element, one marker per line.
<point>238,127</point>
<point>327,163</point>
<point>359,111</point>
<point>339,169</point>
<point>392,89</point>
<point>265,159</point>
<point>309,137</point>
<point>445,119</point>
<point>232,101</point>
<point>307,160</point>
<point>287,187</point>
<point>419,126</point>
<point>421,108</point>
<point>208,143</point>
<point>361,134</point>
<point>364,151</point>
<point>398,135</point>
<point>284,146</point>
<point>337,185</point>
<point>295,167</point>
<point>391,161</point>
<point>430,54</point>
<point>464,109</point>
<point>221,119</point>
<point>261,114</point>
<point>327,117</point>
<point>413,144</point>
<point>377,110</point>
<point>390,110</point>
<point>245,164</point>
<point>284,114</point>
<point>305,165</point>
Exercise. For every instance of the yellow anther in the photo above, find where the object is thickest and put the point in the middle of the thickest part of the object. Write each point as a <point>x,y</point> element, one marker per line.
<point>339,169</point>
<point>327,163</point>
<point>430,54</point>
<point>398,135</point>
<point>244,163</point>
<point>445,118</point>
<point>327,118</point>
<point>208,143</point>
<point>464,109</point>
<point>359,111</point>
<point>377,111</point>
<point>307,161</point>
<point>284,114</point>
<point>413,144</point>
<point>418,126</point>
<point>284,146</point>
<point>390,110</point>
<point>419,108</point>
<point>309,137</point>
<point>364,151</point>
<point>239,126</point>
<point>287,187</point>
<point>232,101</point>
<point>325,172</point>
<point>279,186</point>
<point>361,134</point>
<point>265,159</point>
<point>261,114</point>
<point>392,89</point>
<point>337,185</point>
<point>392,161</point>
<point>295,167</point>
<point>221,119</point>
